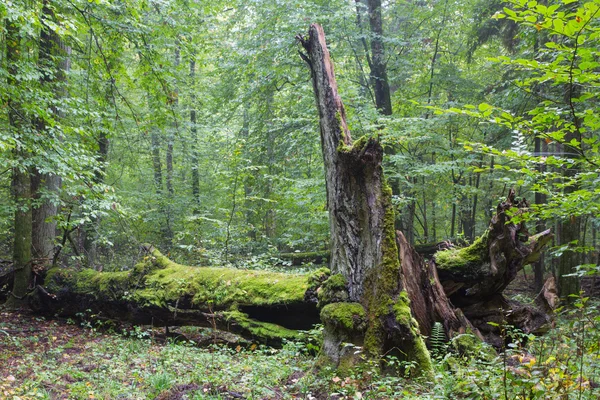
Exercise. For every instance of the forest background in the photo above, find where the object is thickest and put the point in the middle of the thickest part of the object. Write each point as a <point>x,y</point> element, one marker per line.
<point>191,125</point>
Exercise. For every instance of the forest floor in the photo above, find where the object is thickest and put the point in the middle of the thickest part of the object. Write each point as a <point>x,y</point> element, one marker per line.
<point>84,359</point>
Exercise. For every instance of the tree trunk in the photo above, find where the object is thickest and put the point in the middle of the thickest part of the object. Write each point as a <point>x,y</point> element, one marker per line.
<point>378,63</point>
<point>21,182</point>
<point>194,134</point>
<point>21,186</point>
<point>364,254</point>
<point>541,147</point>
<point>571,227</point>
<point>54,63</point>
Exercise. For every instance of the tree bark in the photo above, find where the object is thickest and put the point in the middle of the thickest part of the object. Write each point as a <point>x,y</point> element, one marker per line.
<point>194,134</point>
<point>21,182</point>
<point>378,63</point>
<point>375,313</point>
<point>570,227</point>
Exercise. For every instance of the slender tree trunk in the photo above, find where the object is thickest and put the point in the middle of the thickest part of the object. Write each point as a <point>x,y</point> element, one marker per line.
<point>194,132</point>
<point>570,228</point>
<point>541,147</point>
<point>21,182</point>
<point>54,64</point>
<point>378,68</point>
<point>174,102</point>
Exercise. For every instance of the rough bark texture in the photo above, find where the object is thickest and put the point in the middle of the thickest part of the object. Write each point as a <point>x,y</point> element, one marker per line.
<point>21,186</point>
<point>262,306</point>
<point>21,183</point>
<point>353,177</point>
<point>376,313</point>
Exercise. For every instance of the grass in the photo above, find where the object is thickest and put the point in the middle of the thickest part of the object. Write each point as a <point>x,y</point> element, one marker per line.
<point>53,359</point>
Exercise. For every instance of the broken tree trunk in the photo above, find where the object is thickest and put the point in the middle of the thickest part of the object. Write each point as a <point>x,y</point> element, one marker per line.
<point>262,306</point>
<point>375,313</point>
<point>383,296</point>
<point>474,277</point>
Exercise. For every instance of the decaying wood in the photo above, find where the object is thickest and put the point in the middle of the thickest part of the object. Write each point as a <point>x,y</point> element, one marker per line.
<point>262,306</point>
<point>364,252</point>
<point>428,302</point>
<point>474,277</point>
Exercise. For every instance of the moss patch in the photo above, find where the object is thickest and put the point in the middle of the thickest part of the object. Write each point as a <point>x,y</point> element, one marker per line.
<point>262,330</point>
<point>350,317</point>
<point>333,290</point>
<point>469,345</point>
<point>106,285</point>
<point>356,146</point>
<point>470,259</point>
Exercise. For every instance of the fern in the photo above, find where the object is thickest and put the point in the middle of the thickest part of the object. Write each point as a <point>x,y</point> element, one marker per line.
<point>438,341</point>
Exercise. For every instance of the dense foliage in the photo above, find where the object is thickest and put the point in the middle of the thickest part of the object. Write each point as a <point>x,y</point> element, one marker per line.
<point>191,125</point>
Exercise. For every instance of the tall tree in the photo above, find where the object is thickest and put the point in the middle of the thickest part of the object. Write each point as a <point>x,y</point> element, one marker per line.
<point>53,63</point>
<point>21,175</point>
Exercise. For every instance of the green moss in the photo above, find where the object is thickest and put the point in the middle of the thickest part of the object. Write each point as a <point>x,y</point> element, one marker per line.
<point>384,299</point>
<point>469,259</point>
<point>318,276</point>
<point>356,146</point>
<point>402,311</point>
<point>222,287</point>
<point>264,330</point>
<point>350,317</point>
<point>105,285</point>
<point>333,290</point>
<point>159,281</point>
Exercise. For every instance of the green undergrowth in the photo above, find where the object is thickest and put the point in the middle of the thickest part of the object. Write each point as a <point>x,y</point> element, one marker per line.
<point>44,359</point>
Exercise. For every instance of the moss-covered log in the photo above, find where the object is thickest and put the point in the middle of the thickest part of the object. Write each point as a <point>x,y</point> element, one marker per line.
<point>259,305</point>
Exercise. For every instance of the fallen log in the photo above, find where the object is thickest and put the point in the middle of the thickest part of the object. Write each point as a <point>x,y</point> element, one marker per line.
<point>266,307</point>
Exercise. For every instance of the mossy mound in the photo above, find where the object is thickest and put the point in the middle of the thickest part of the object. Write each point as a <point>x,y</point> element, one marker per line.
<point>333,290</point>
<point>350,317</point>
